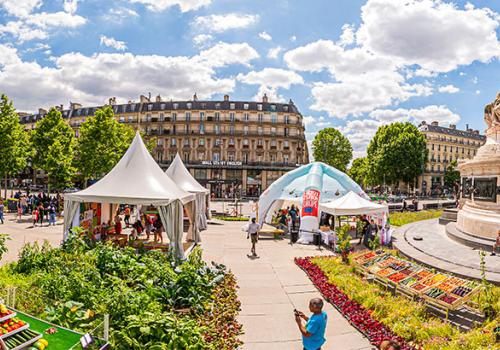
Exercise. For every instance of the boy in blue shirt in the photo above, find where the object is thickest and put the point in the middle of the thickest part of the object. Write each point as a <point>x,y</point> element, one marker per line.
<point>313,332</point>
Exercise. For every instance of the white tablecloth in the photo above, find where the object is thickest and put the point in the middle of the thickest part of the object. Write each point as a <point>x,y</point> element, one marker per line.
<point>328,236</point>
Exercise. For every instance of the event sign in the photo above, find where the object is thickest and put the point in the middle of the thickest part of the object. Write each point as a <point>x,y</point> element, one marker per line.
<point>310,203</point>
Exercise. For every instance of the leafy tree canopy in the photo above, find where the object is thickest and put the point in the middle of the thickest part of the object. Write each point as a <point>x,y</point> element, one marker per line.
<point>359,171</point>
<point>396,152</point>
<point>452,175</point>
<point>333,148</point>
<point>101,144</point>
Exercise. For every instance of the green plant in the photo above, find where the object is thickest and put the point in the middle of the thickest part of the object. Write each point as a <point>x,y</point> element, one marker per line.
<point>374,243</point>
<point>407,217</point>
<point>232,218</point>
<point>3,244</point>
<point>344,242</point>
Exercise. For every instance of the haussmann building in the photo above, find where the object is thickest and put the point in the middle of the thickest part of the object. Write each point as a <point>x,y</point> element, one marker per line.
<point>234,148</point>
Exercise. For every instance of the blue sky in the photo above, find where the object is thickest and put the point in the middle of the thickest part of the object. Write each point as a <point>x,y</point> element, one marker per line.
<point>351,64</point>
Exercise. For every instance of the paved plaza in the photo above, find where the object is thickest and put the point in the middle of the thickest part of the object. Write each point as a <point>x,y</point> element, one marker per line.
<point>438,250</point>
<point>271,287</point>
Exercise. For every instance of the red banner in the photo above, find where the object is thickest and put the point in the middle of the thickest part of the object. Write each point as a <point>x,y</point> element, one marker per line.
<point>310,202</point>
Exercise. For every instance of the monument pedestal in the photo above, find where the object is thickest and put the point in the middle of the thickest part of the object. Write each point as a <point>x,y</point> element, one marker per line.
<point>480,214</point>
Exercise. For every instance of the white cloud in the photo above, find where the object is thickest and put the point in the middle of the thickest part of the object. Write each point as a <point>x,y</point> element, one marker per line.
<point>478,92</point>
<point>222,23</point>
<point>38,47</point>
<point>360,133</point>
<point>271,77</point>
<point>93,79</point>
<point>429,114</point>
<point>274,52</point>
<point>120,14</point>
<point>23,32</point>
<point>223,54</point>
<point>265,36</point>
<point>20,8</point>
<point>70,6</point>
<point>474,80</point>
<point>293,38</point>
<point>45,20</point>
<point>348,35</point>
<point>308,120</point>
<point>270,92</point>
<point>450,89</point>
<point>433,34</point>
<point>203,40</point>
<point>462,74</point>
<point>184,5</point>
<point>112,42</point>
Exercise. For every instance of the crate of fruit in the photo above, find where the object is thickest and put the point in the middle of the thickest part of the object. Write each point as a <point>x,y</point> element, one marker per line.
<point>24,339</point>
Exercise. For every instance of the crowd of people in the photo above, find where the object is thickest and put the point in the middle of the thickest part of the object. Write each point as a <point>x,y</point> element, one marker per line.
<point>287,218</point>
<point>41,207</point>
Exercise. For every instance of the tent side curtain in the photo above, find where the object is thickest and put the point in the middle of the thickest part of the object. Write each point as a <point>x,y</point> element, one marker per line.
<point>193,232</point>
<point>172,218</point>
<point>70,209</point>
<point>201,210</point>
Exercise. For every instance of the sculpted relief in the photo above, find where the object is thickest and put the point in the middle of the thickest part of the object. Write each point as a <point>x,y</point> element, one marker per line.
<point>492,113</point>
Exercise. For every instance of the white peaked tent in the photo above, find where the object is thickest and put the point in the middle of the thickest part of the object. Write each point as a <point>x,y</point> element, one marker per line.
<point>352,204</point>
<point>178,172</point>
<point>136,179</point>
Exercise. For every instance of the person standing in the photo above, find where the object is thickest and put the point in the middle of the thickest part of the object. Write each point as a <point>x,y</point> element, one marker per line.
<point>52,214</point>
<point>158,231</point>
<point>34,216</point>
<point>293,216</point>
<point>253,233</point>
<point>1,210</point>
<point>313,332</point>
<point>364,228</point>
<point>370,234</point>
<point>118,225</point>
<point>40,213</point>
<point>126,212</point>
<point>282,220</point>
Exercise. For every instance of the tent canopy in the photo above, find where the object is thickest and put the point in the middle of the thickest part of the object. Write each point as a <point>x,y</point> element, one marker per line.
<point>291,186</point>
<point>136,179</point>
<point>178,172</point>
<point>352,204</point>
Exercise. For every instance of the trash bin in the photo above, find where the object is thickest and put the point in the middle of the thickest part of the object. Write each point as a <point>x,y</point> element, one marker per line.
<point>317,238</point>
<point>294,236</point>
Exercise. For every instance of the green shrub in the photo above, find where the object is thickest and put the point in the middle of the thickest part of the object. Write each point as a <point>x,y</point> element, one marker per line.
<point>407,217</point>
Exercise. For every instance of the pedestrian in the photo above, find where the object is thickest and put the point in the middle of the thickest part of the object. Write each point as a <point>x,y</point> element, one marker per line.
<point>390,345</point>
<point>370,234</point>
<point>496,246</point>
<point>1,210</point>
<point>313,332</point>
<point>126,212</point>
<point>253,233</point>
<point>293,216</point>
<point>118,224</point>
<point>34,216</point>
<point>158,231</point>
<point>19,211</point>
<point>364,227</point>
<point>52,214</point>
<point>282,220</point>
<point>149,225</point>
<point>40,210</point>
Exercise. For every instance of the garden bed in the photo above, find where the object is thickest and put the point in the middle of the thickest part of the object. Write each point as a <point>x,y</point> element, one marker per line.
<point>407,217</point>
<point>379,315</point>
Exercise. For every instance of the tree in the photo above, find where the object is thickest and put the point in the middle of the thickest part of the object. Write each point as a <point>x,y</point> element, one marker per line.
<point>359,171</point>
<point>396,152</point>
<point>333,148</point>
<point>452,176</point>
<point>102,142</point>
<point>14,141</point>
<point>54,141</point>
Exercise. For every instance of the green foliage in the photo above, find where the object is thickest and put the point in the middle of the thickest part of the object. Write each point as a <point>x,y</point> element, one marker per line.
<point>53,142</point>
<point>333,148</point>
<point>404,317</point>
<point>407,217</point>
<point>101,144</point>
<point>359,171</point>
<point>397,152</point>
<point>374,243</point>
<point>344,241</point>
<point>3,244</point>
<point>80,282</point>
<point>452,176</point>
<point>14,141</point>
<point>232,218</point>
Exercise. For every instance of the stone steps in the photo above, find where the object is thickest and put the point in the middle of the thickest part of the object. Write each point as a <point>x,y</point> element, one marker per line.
<point>463,238</point>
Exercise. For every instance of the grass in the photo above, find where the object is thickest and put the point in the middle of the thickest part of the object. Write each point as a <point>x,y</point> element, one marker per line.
<point>232,218</point>
<point>407,217</point>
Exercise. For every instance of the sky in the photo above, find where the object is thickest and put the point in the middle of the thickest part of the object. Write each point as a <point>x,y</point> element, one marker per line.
<point>349,64</point>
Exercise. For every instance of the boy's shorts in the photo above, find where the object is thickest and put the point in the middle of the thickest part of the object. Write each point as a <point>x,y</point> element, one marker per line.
<point>253,237</point>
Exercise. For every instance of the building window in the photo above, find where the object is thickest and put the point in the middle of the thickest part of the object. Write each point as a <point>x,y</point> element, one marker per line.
<point>230,156</point>
<point>273,108</point>
<point>287,119</point>
<point>246,117</point>
<point>174,117</point>
<point>201,142</point>
<point>186,157</point>
<point>175,105</point>
<point>218,142</point>
<point>217,116</point>
<point>217,106</point>
<point>245,142</point>
<point>231,117</point>
<point>445,148</point>
<point>188,116</point>
<point>163,106</point>
<point>285,158</point>
<point>186,142</point>
<point>200,174</point>
<point>433,147</point>
<point>274,118</point>
<point>202,116</point>
<point>259,107</point>
<point>173,142</point>
<point>232,106</point>
<point>285,143</point>
<point>273,131</point>
<point>231,142</point>
<point>148,117</point>
<point>260,117</point>
<point>132,108</point>
<point>245,130</point>
<point>216,157</point>
<point>439,147</point>
<point>162,117</point>
<point>260,142</point>
<point>259,130</point>
<point>202,128</point>
<point>273,143</point>
<point>286,132</point>
<point>231,129</point>
<point>217,129</point>
<point>272,158</point>
<point>150,107</point>
<point>245,106</point>
<point>188,105</point>
<point>245,158</point>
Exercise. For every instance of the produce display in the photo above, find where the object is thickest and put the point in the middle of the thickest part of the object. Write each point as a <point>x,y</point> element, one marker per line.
<point>15,333</point>
<point>435,287</point>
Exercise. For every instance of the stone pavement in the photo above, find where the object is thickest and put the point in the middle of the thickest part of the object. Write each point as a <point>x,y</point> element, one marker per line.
<point>271,287</point>
<point>436,249</point>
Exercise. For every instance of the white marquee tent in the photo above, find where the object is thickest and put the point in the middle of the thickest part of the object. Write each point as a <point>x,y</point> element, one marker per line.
<point>178,172</point>
<point>136,179</point>
<point>352,204</point>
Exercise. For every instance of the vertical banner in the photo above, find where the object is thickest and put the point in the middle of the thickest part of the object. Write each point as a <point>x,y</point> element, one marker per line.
<point>310,202</point>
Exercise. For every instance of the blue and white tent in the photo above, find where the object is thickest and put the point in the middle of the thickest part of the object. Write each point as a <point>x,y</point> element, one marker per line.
<point>329,181</point>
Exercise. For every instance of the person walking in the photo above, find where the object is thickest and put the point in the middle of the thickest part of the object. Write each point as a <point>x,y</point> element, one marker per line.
<point>40,211</point>
<point>52,214</point>
<point>313,332</point>
<point>253,233</point>
<point>2,207</point>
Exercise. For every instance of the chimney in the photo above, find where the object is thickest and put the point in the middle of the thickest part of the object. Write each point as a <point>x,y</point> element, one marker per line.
<point>467,127</point>
<point>144,99</point>
<point>195,98</point>
<point>42,111</point>
<point>435,123</point>
<point>226,98</point>
<point>453,126</point>
<point>264,98</point>
<point>75,105</point>
<point>158,98</point>
<point>476,132</point>
<point>112,101</point>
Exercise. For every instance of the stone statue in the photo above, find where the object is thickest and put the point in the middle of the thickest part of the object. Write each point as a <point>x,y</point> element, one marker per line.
<point>492,113</point>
